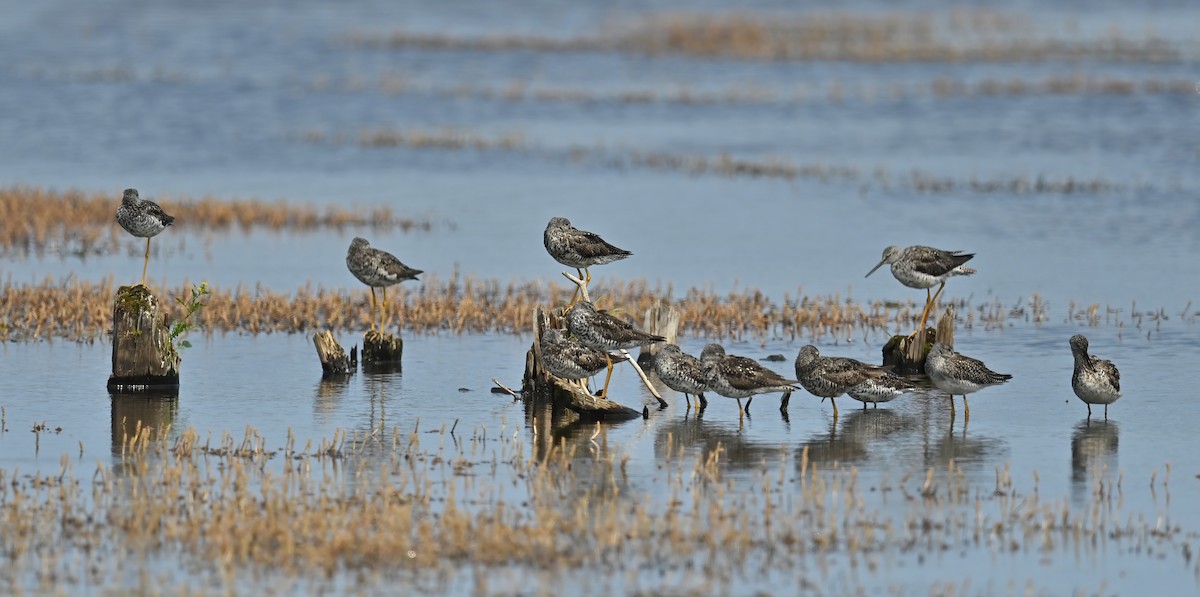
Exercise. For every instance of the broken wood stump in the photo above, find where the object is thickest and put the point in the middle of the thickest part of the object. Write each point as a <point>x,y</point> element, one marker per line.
<point>144,359</point>
<point>334,360</point>
<point>907,355</point>
<point>661,320</point>
<point>539,386</point>
<point>381,352</point>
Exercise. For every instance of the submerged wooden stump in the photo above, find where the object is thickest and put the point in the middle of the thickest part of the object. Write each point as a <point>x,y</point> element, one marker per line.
<point>334,360</point>
<point>143,357</point>
<point>661,320</point>
<point>381,349</point>
<point>907,355</point>
<point>540,387</point>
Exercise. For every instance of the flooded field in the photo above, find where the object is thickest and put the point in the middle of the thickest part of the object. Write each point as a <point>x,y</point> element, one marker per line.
<point>756,162</point>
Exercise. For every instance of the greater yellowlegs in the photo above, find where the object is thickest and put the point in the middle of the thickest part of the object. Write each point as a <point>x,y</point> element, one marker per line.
<point>579,249</point>
<point>377,269</point>
<point>603,332</point>
<point>957,374</point>
<point>569,359</point>
<point>681,372</point>
<point>1095,381</point>
<point>830,377</point>
<point>924,267</point>
<point>740,377</point>
<point>142,218</point>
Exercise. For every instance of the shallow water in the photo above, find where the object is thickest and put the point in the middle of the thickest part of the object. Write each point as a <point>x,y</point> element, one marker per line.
<point>177,99</point>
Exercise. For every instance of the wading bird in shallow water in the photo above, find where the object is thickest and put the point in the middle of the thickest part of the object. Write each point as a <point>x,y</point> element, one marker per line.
<point>1095,381</point>
<point>830,377</point>
<point>377,269</point>
<point>600,331</point>
<point>739,377</point>
<point>579,249</point>
<point>924,267</point>
<point>681,372</point>
<point>142,218</point>
<point>569,359</point>
<point>956,374</point>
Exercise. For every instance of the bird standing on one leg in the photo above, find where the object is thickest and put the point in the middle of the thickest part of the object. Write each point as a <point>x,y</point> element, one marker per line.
<point>377,269</point>
<point>142,218</point>
<point>925,267</point>
<point>1095,381</point>
<point>579,249</point>
<point>957,374</point>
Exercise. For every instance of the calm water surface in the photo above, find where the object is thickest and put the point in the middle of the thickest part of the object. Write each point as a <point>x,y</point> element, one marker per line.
<point>177,99</point>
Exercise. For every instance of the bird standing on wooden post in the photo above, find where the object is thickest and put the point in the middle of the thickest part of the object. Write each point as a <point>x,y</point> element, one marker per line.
<point>924,267</point>
<point>603,332</point>
<point>579,249</point>
<point>377,269</point>
<point>142,218</point>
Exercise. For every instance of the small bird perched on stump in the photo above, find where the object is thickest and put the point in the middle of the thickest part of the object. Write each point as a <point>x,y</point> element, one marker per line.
<point>579,249</point>
<point>377,269</point>
<point>924,267</point>
<point>142,218</point>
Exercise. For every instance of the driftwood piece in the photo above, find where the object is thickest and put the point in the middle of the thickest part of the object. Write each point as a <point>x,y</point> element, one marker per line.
<point>143,357</point>
<point>381,349</point>
<point>334,360</point>
<point>539,386</point>
<point>907,355</point>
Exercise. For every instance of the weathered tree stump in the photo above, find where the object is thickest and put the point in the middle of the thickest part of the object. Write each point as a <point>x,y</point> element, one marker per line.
<point>144,358</point>
<point>907,355</point>
<point>334,360</point>
<point>382,350</point>
<point>661,320</point>
<point>539,386</point>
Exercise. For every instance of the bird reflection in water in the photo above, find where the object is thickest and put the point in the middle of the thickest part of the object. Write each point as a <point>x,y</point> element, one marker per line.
<point>1093,453</point>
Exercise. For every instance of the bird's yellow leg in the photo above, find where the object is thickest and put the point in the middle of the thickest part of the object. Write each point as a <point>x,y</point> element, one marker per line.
<point>383,321</point>
<point>372,307</point>
<point>951,406</point>
<point>607,378</point>
<point>835,412</point>
<point>146,263</point>
<point>966,407</point>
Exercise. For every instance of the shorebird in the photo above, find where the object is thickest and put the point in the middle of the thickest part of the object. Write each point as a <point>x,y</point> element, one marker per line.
<point>740,377</point>
<point>885,388</point>
<point>956,374</point>
<point>681,372</point>
<point>603,332</point>
<point>569,359</point>
<point>377,269</point>
<point>142,218</point>
<point>924,267</point>
<point>579,249</point>
<point>1095,381</point>
<point>830,377</point>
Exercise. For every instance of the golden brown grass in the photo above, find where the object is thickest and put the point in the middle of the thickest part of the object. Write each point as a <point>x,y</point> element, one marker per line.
<point>421,511</point>
<point>81,311</point>
<point>963,36</point>
<point>33,219</point>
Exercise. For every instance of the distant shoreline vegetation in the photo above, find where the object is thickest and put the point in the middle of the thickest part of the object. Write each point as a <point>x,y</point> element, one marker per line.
<point>81,311</point>
<point>72,222</point>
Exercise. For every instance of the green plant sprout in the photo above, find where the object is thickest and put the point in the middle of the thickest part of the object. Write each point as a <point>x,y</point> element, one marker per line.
<point>190,306</point>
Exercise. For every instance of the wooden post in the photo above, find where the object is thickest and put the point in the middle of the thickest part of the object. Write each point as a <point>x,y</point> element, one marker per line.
<point>382,350</point>
<point>333,357</point>
<point>907,355</point>
<point>539,386</point>
<point>661,320</point>
<point>143,358</point>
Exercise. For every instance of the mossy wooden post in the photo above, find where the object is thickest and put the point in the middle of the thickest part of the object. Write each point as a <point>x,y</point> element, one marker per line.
<point>334,360</point>
<point>381,349</point>
<point>907,355</point>
<point>143,359</point>
<point>539,385</point>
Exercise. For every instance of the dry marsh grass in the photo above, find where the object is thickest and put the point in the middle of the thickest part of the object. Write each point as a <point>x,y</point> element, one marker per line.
<point>34,220</point>
<point>480,513</point>
<point>961,36</point>
<point>81,311</point>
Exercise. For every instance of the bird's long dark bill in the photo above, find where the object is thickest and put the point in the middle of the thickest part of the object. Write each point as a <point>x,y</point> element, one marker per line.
<point>877,266</point>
